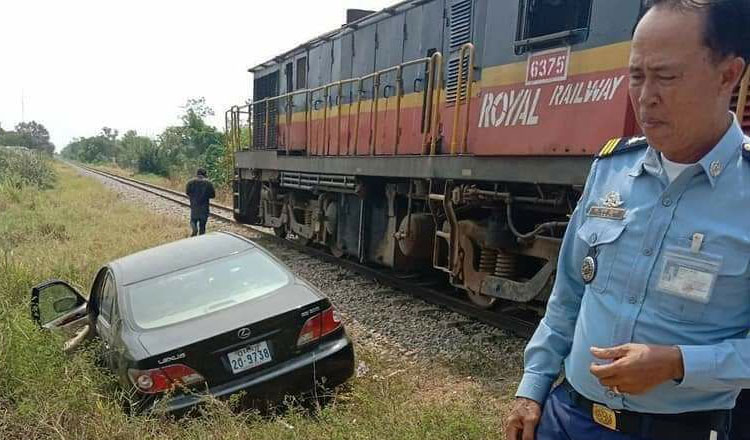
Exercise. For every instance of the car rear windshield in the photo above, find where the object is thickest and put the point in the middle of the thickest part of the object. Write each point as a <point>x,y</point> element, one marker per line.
<point>204,289</point>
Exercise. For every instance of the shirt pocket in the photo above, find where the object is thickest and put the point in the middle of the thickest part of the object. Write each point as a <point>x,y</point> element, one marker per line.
<point>728,297</point>
<point>602,235</point>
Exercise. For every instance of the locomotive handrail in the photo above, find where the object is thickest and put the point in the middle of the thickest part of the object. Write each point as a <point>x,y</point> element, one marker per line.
<point>308,117</point>
<point>289,106</point>
<point>468,47</point>
<point>435,87</point>
<point>376,98</point>
<point>232,128</point>
<point>742,96</point>
<point>266,124</point>
<point>339,91</point>
<point>431,110</point>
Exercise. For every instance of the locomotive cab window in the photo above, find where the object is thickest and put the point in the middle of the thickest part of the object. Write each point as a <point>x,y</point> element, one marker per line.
<point>548,23</point>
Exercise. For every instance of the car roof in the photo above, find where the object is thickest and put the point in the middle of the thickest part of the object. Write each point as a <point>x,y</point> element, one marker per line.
<point>177,255</point>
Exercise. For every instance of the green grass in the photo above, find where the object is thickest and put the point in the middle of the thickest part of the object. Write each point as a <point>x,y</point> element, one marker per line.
<point>177,182</point>
<point>67,232</point>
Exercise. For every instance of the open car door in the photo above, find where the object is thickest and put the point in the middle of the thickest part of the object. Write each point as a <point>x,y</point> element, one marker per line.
<point>57,306</point>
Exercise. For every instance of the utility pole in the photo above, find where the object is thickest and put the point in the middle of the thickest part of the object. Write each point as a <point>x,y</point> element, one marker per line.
<point>23,110</point>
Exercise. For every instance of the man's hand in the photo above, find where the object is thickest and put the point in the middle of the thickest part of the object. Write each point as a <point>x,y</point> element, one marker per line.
<point>522,421</point>
<point>636,368</point>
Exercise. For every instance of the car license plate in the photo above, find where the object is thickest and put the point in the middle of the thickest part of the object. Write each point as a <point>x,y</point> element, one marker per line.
<point>249,357</point>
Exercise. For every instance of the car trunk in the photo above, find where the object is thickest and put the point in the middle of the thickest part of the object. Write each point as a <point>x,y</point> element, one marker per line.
<point>238,341</point>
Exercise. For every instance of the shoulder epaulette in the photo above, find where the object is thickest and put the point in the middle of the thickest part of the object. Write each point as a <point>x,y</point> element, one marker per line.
<point>746,150</point>
<point>622,145</point>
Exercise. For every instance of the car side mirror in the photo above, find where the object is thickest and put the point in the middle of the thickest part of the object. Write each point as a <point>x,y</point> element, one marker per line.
<point>54,303</point>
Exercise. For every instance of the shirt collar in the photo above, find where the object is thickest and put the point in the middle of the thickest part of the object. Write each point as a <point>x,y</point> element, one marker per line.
<point>712,164</point>
<point>648,162</point>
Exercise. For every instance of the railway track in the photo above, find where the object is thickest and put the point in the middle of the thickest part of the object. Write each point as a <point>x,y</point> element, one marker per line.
<point>424,286</point>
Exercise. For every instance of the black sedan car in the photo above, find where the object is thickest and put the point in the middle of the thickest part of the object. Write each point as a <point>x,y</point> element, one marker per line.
<point>212,314</point>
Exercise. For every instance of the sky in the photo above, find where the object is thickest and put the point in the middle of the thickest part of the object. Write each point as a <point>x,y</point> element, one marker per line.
<point>79,65</point>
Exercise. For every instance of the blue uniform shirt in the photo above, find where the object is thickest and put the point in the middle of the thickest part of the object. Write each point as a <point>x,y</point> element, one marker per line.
<point>623,304</point>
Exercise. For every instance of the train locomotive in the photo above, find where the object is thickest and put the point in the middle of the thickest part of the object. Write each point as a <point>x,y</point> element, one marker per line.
<point>451,137</point>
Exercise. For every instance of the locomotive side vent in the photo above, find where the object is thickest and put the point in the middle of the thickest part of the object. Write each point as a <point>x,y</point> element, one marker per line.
<point>451,84</point>
<point>460,23</point>
<point>461,13</point>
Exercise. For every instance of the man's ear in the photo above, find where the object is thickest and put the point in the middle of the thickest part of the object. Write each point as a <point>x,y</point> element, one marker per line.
<point>733,71</point>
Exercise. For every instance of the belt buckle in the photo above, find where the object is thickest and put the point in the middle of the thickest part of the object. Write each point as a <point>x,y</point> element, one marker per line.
<point>604,416</point>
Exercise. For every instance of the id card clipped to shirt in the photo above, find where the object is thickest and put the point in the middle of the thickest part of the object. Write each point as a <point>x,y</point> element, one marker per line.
<point>689,273</point>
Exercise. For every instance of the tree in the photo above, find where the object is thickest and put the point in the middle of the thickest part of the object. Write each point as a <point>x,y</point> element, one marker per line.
<point>31,135</point>
<point>13,139</point>
<point>143,154</point>
<point>103,147</point>
<point>197,107</point>
<point>198,135</point>
<point>109,133</point>
<point>178,149</point>
<point>35,136</point>
<point>107,142</point>
<point>215,160</point>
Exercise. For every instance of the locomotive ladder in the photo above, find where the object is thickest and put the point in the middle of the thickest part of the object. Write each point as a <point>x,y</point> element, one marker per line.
<point>444,244</point>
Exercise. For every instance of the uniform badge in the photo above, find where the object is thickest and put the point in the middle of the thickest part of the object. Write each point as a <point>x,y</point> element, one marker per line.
<point>715,168</point>
<point>588,266</point>
<point>610,209</point>
<point>588,269</point>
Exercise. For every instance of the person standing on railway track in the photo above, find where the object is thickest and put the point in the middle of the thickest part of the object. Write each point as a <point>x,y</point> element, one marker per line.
<point>650,309</point>
<point>201,191</point>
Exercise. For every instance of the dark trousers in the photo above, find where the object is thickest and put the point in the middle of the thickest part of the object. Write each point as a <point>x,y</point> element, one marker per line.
<point>562,420</point>
<point>198,225</point>
<point>741,417</point>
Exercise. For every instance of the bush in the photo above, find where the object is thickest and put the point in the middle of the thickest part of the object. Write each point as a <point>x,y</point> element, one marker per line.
<point>19,169</point>
<point>150,158</point>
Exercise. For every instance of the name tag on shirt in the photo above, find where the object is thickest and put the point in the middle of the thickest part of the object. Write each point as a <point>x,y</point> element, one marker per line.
<point>689,275</point>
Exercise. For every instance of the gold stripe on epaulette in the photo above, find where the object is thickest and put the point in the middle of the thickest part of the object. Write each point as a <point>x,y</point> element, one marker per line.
<point>609,147</point>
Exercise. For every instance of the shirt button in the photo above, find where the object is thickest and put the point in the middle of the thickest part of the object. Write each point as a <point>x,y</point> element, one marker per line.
<point>666,201</point>
<point>593,237</point>
<point>632,300</point>
<point>610,394</point>
<point>648,251</point>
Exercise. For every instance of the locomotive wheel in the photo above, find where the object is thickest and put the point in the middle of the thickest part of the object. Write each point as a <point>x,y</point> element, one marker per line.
<point>481,301</point>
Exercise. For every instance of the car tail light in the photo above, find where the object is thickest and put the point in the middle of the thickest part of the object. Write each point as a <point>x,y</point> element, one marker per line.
<point>159,380</point>
<point>318,326</point>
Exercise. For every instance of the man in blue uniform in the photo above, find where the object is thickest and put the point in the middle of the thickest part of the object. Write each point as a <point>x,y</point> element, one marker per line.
<point>651,304</point>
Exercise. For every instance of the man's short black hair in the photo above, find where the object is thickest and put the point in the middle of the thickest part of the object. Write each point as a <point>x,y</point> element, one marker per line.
<point>727,31</point>
<point>201,172</point>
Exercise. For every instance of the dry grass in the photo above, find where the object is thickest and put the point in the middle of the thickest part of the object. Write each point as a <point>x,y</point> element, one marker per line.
<point>67,232</point>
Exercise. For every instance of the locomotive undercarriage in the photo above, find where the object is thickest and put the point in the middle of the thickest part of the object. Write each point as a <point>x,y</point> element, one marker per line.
<point>494,241</point>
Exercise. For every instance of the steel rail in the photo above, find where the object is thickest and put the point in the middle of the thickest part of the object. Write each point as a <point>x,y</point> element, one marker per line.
<point>443,296</point>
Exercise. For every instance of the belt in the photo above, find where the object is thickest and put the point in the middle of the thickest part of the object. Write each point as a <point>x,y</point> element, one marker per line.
<point>696,425</point>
